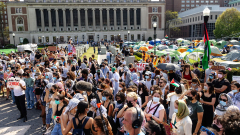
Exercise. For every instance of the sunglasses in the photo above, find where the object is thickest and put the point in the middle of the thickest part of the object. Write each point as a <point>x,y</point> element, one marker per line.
<point>160,82</point>
<point>223,99</point>
<point>204,129</point>
<point>56,99</point>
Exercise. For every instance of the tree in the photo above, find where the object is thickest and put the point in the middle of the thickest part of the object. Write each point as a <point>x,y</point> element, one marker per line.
<point>171,16</point>
<point>2,5</point>
<point>25,41</point>
<point>6,32</point>
<point>228,24</point>
<point>150,38</point>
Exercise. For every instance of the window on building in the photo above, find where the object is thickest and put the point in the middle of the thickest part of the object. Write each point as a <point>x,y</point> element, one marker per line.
<point>225,1</point>
<point>183,5</point>
<point>187,1</point>
<point>197,1</point>
<point>19,20</point>
<point>131,16</point>
<point>47,39</point>
<point>18,10</point>
<point>211,1</point>
<point>111,15</point>
<point>183,1</point>
<point>45,16</point>
<point>201,17</point>
<point>125,16</point>
<point>192,5</point>
<point>183,9</point>
<point>132,37</point>
<point>216,1</point>
<point>20,28</point>
<point>97,17</point>
<point>193,19</point>
<point>53,17</point>
<point>190,19</point>
<point>75,17</point>
<point>187,5</point>
<point>104,17</point>
<point>154,9</point>
<point>198,18</point>
<point>138,36</point>
<point>216,17</point>
<point>207,1</point>
<point>192,1</point>
<point>40,39</point>
<point>154,19</point>
<point>202,1</point>
<point>138,16</point>
<point>54,39</point>
<point>82,14</point>
<point>197,5</point>
<point>211,17</point>
<point>90,17</point>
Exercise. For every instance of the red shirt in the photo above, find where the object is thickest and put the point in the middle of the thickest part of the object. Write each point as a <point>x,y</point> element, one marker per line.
<point>133,69</point>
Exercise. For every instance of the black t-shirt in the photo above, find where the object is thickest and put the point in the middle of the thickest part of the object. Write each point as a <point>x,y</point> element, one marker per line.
<point>38,56</point>
<point>142,95</point>
<point>121,42</point>
<point>218,84</point>
<point>197,72</point>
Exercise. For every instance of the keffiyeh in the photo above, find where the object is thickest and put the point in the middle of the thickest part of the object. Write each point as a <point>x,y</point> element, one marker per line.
<point>72,104</point>
<point>102,108</point>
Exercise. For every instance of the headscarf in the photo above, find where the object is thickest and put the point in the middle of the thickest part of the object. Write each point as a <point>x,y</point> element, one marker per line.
<point>219,107</point>
<point>102,108</point>
<point>72,104</point>
<point>128,77</point>
<point>60,85</point>
<point>183,110</point>
<point>50,77</point>
<point>135,78</point>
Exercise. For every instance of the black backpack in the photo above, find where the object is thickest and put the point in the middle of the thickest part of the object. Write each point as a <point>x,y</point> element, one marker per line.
<point>77,130</point>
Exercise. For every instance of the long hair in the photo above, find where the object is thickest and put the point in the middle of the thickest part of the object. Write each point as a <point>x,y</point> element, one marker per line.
<point>99,123</point>
<point>81,107</point>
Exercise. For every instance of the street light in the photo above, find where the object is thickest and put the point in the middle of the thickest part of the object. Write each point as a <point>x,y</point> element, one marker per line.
<point>14,41</point>
<point>114,37</point>
<point>57,41</point>
<point>128,35</point>
<point>43,40</point>
<point>155,35</point>
<point>206,14</point>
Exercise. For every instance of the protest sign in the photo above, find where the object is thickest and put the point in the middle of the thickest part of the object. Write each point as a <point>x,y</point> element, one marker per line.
<point>141,66</point>
<point>13,82</point>
<point>236,78</point>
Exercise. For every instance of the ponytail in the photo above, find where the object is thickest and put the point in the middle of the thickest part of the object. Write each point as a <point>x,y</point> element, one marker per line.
<point>195,93</point>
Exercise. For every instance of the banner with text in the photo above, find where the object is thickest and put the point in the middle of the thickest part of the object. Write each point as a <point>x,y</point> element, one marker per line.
<point>13,82</point>
<point>141,66</point>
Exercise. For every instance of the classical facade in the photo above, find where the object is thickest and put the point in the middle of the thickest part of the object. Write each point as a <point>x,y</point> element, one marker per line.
<point>234,3</point>
<point>49,21</point>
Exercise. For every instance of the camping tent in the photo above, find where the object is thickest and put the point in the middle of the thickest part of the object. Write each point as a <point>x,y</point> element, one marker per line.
<point>157,41</point>
<point>235,54</point>
<point>194,57</point>
<point>212,41</point>
<point>214,51</point>
<point>220,44</point>
<point>162,47</point>
<point>173,47</point>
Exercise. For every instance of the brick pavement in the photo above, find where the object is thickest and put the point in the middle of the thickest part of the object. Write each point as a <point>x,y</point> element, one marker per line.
<point>9,114</point>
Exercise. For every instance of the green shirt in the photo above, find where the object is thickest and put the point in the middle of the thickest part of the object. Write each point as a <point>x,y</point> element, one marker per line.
<point>194,108</point>
<point>29,82</point>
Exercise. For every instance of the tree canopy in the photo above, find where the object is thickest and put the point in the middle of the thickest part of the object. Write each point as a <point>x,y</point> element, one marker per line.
<point>228,24</point>
<point>170,17</point>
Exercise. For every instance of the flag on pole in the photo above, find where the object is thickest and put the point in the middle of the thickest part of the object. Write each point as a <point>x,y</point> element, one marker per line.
<point>175,83</point>
<point>207,48</point>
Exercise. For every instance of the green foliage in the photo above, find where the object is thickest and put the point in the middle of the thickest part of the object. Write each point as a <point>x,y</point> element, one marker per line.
<point>150,38</point>
<point>139,54</point>
<point>228,24</point>
<point>9,46</point>
<point>25,41</point>
<point>137,58</point>
<point>172,16</point>
<point>6,32</point>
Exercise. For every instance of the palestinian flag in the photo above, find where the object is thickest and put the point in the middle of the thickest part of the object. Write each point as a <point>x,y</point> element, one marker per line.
<point>175,83</point>
<point>207,48</point>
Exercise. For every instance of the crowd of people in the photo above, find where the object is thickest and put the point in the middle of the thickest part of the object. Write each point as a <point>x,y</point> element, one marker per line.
<point>152,102</point>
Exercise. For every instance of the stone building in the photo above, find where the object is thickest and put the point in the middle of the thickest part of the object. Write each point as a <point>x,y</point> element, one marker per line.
<point>48,21</point>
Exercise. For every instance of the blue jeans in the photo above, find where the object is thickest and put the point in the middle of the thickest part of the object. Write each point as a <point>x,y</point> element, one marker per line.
<point>29,97</point>
<point>12,94</point>
<point>49,116</point>
<point>109,59</point>
<point>57,129</point>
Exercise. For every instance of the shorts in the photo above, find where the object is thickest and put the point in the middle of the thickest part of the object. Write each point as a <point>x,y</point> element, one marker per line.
<point>49,116</point>
<point>38,91</point>
<point>43,103</point>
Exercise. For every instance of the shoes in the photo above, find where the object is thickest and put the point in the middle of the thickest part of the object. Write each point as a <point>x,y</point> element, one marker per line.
<point>25,119</point>
<point>43,128</point>
<point>19,118</point>
<point>28,108</point>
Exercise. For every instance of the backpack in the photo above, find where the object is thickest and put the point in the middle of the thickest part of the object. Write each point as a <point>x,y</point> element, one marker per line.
<point>77,130</point>
<point>113,124</point>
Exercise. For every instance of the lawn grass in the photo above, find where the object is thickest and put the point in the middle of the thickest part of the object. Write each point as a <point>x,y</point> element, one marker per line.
<point>7,51</point>
<point>90,52</point>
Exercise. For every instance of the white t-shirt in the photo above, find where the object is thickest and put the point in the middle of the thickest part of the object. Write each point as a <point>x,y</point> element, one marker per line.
<point>149,83</point>
<point>153,110</point>
<point>18,91</point>
<point>116,76</point>
<point>123,62</point>
<point>108,54</point>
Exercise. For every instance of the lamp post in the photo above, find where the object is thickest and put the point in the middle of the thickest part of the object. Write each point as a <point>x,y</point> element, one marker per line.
<point>114,39</point>
<point>206,14</point>
<point>98,39</point>
<point>57,41</point>
<point>14,41</point>
<point>128,35</point>
<point>155,35</point>
<point>83,37</point>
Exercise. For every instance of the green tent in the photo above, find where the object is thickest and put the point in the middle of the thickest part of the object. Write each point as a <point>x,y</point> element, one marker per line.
<point>160,53</point>
<point>221,44</point>
<point>173,51</point>
<point>212,41</point>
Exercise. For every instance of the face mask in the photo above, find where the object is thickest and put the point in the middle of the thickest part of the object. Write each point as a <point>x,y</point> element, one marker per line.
<point>54,78</point>
<point>209,66</point>
<point>129,104</point>
<point>8,65</point>
<point>119,101</point>
<point>220,75</point>
<point>57,102</point>
<point>176,110</point>
<point>194,85</point>
<point>179,62</point>
<point>216,127</point>
<point>190,98</point>
<point>234,91</point>
<point>34,70</point>
<point>151,92</point>
<point>223,103</point>
<point>7,70</point>
<point>46,77</point>
<point>205,87</point>
<point>138,77</point>
<point>104,98</point>
<point>115,63</point>
<point>156,99</point>
<point>119,88</point>
<point>26,61</point>
<point>211,77</point>
<point>146,77</point>
<point>131,78</point>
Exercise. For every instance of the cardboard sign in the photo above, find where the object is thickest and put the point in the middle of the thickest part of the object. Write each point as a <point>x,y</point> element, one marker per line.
<point>141,66</point>
<point>52,48</point>
<point>217,67</point>
<point>236,78</point>
<point>13,82</point>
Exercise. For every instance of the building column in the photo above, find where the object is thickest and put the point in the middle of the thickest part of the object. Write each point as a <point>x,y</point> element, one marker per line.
<point>115,18</point>
<point>94,22</point>
<point>49,19</point>
<point>108,19</point>
<point>101,21</point>
<point>86,19</point>
<point>121,18</point>
<point>64,20</point>
<point>79,20</point>
<point>135,18</point>
<point>128,18</point>
<point>42,20</point>
<point>57,20</point>
<point>71,17</point>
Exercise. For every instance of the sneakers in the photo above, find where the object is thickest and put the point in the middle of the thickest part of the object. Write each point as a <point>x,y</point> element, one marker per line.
<point>43,128</point>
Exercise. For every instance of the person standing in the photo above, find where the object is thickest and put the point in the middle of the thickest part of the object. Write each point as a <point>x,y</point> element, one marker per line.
<point>109,57</point>
<point>120,43</point>
<point>19,94</point>
<point>94,49</point>
<point>116,80</point>
<point>29,81</point>
<point>168,58</point>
